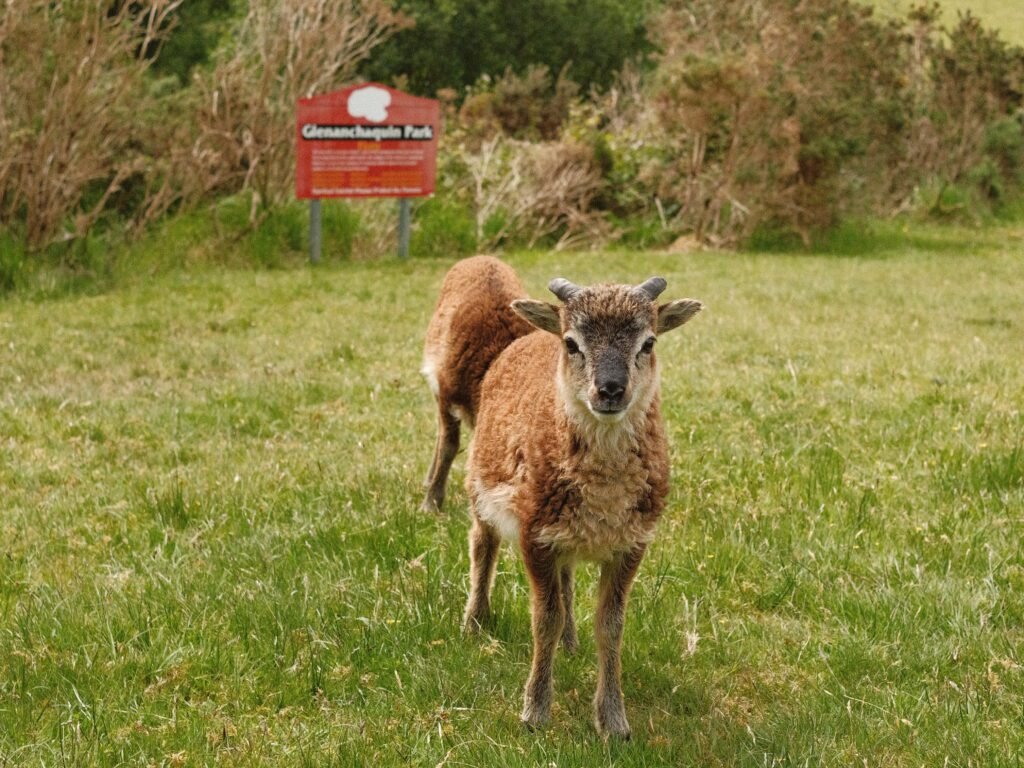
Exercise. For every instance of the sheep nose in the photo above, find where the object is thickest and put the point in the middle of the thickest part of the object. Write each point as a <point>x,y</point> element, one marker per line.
<point>611,389</point>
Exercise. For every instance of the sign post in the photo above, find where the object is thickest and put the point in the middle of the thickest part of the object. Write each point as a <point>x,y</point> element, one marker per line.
<point>404,214</point>
<point>314,230</point>
<point>365,141</point>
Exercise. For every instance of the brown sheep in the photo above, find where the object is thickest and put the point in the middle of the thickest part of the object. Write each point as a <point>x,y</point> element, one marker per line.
<point>569,459</point>
<point>473,322</point>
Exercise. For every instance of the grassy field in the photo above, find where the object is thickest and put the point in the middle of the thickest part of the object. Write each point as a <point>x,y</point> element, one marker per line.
<point>1005,15</point>
<point>211,552</point>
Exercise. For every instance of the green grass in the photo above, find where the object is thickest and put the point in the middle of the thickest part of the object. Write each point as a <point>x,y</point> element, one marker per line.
<point>211,552</point>
<point>1007,17</point>
<point>222,234</point>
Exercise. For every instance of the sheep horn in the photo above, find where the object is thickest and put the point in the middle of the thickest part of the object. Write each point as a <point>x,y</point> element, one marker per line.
<point>652,287</point>
<point>563,289</point>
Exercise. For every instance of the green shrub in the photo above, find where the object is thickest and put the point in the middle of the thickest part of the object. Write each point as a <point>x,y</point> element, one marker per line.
<point>12,262</point>
<point>957,202</point>
<point>193,39</point>
<point>768,108</point>
<point>442,227</point>
<point>531,106</point>
<point>1004,153</point>
<point>281,232</point>
<point>74,113</point>
<point>339,224</point>
<point>967,94</point>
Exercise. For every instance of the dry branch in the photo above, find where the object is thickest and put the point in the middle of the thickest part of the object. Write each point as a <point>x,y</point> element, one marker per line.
<point>285,50</point>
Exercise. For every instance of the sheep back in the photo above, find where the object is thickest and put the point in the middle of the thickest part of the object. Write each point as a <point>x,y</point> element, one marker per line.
<point>472,324</point>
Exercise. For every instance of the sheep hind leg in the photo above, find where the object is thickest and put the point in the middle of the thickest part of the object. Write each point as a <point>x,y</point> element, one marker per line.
<point>444,454</point>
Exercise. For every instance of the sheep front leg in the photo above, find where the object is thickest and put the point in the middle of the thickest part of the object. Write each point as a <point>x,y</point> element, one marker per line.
<point>613,592</point>
<point>484,544</point>
<point>548,620</point>
<point>570,642</point>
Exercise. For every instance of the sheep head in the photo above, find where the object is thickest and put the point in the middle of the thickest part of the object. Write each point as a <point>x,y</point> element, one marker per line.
<point>608,335</point>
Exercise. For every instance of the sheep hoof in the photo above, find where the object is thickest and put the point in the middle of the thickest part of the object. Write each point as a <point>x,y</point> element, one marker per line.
<point>610,720</point>
<point>570,644</point>
<point>431,503</point>
<point>474,624</point>
<point>533,720</point>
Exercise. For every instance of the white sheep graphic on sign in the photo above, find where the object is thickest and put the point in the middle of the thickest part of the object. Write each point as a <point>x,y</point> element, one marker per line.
<point>370,102</point>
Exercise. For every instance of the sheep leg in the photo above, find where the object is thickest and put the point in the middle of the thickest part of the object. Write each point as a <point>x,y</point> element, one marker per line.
<point>444,454</point>
<point>433,460</point>
<point>548,620</point>
<point>570,641</point>
<point>484,543</point>
<point>613,592</point>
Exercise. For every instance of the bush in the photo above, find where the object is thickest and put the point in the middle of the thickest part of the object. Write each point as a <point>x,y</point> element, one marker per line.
<point>530,107</point>
<point>526,193</point>
<point>74,106</point>
<point>1004,151</point>
<point>12,263</point>
<point>967,95</point>
<point>779,118</point>
<point>442,227</point>
<point>284,50</point>
<point>194,39</point>
<point>767,106</point>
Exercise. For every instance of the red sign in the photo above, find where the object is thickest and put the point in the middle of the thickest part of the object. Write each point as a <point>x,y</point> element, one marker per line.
<point>366,141</point>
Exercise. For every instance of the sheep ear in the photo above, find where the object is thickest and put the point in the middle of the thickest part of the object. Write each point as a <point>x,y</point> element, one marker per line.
<point>677,312</point>
<point>539,314</point>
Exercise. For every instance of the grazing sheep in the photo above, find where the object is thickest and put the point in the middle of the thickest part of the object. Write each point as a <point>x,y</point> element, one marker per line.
<point>472,324</point>
<point>569,459</point>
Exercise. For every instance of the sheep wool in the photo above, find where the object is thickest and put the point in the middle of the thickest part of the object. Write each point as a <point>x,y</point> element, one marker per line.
<point>568,459</point>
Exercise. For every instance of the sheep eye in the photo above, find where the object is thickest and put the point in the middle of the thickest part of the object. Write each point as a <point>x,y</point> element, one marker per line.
<point>572,347</point>
<point>648,346</point>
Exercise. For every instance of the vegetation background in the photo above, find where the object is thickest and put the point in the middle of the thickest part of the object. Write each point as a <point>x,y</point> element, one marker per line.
<point>210,454</point>
<point>757,122</point>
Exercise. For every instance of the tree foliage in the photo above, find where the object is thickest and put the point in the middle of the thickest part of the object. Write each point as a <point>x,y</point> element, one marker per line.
<point>455,42</point>
<point>770,103</point>
<point>193,40</point>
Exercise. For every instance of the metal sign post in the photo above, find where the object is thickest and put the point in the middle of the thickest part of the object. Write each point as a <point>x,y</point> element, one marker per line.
<point>404,211</point>
<point>314,230</point>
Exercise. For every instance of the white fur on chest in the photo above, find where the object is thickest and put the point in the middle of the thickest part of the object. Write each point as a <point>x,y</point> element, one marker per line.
<point>494,507</point>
